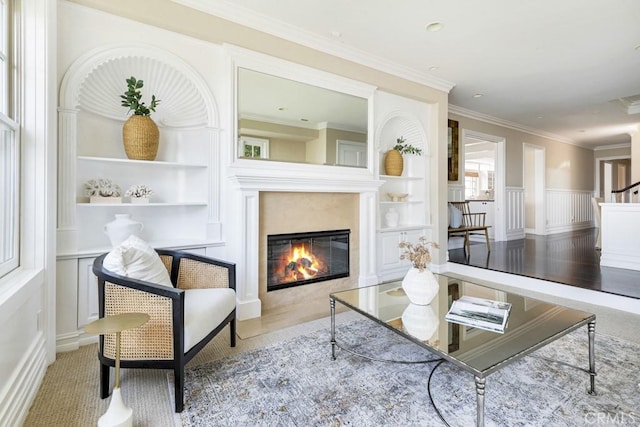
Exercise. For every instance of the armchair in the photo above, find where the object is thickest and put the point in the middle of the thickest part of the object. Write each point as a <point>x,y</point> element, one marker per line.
<point>184,317</point>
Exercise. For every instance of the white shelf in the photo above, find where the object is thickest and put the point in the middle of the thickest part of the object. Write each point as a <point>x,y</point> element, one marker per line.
<point>140,162</point>
<point>404,227</point>
<point>175,244</point>
<point>138,205</point>
<point>408,202</point>
<point>401,178</point>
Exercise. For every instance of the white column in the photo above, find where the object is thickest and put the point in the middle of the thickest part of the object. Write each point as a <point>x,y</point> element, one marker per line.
<point>248,301</point>
<point>368,239</point>
<point>67,153</point>
<point>635,155</point>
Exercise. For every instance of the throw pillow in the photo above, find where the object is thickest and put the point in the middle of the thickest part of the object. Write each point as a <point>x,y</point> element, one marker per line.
<point>136,259</point>
<point>456,216</point>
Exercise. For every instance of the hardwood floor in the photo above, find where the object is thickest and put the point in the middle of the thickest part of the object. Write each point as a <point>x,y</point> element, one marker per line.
<point>568,258</point>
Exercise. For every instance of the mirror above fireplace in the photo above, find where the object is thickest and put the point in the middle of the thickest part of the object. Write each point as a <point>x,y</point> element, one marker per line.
<point>285,120</point>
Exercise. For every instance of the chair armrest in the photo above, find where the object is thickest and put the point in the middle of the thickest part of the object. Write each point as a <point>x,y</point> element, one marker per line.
<point>191,271</point>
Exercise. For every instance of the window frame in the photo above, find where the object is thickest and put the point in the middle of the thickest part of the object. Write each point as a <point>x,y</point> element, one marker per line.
<point>10,145</point>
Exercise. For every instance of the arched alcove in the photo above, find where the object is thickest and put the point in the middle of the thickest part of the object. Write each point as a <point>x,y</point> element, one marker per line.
<point>90,119</point>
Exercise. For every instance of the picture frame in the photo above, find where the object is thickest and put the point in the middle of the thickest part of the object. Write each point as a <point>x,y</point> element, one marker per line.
<point>453,150</point>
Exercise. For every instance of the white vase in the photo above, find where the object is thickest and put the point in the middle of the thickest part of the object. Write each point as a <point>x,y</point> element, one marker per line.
<point>121,228</point>
<point>392,217</point>
<point>420,321</point>
<point>420,286</point>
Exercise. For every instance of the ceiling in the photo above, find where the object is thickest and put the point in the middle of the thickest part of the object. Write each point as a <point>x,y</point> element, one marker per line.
<point>569,69</point>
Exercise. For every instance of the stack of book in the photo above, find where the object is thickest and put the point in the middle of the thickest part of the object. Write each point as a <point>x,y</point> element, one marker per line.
<point>480,313</point>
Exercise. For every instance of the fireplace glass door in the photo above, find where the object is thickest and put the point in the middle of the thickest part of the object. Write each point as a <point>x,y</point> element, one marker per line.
<point>302,258</point>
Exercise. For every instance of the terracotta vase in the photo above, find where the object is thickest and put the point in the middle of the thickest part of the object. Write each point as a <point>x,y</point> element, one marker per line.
<point>393,163</point>
<point>141,137</point>
<point>420,286</point>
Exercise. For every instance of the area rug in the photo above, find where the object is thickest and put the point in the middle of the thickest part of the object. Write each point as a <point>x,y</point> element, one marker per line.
<point>296,383</point>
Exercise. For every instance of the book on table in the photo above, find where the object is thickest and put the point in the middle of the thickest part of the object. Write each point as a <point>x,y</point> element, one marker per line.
<point>479,313</point>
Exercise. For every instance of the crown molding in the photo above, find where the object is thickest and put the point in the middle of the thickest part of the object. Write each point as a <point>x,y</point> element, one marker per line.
<point>612,147</point>
<point>246,17</point>
<point>507,124</point>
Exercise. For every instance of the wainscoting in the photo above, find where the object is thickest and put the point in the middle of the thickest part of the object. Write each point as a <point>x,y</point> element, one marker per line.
<point>566,210</point>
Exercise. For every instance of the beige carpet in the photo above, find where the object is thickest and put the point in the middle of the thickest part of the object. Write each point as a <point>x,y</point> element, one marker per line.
<point>69,395</point>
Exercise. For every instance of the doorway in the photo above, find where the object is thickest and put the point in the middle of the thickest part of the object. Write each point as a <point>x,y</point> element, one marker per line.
<point>612,173</point>
<point>533,170</point>
<point>485,181</point>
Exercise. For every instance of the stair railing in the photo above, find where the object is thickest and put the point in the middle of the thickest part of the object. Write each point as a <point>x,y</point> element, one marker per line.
<point>628,194</point>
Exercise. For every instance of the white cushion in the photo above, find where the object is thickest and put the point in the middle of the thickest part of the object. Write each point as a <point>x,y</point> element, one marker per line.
<point>136,259</point>
<point>204,310</point>
<point>456,217</point>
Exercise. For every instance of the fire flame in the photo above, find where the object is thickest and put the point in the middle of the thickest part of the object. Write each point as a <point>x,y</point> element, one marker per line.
<point>301,265</point>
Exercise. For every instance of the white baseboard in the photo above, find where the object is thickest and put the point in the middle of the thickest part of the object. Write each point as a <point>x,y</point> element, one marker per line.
<point>21,388</point>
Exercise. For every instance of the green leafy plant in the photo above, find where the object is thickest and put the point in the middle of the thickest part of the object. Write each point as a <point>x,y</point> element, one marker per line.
<point>132,98</point>
<point>404,148</point>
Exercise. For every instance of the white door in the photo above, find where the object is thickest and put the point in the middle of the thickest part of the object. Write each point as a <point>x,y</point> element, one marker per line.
<point>352,153</point>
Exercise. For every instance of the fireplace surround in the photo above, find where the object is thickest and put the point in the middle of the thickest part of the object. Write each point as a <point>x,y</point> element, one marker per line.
<point>267,202</point>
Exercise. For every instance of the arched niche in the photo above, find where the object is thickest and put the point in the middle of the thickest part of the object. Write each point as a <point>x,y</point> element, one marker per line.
<point>90,93</point>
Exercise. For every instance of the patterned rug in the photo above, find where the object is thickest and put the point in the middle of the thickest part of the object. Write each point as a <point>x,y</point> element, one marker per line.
<point>295,383</point>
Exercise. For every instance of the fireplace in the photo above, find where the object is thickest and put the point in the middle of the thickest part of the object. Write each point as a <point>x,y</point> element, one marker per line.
<point>301,258</point>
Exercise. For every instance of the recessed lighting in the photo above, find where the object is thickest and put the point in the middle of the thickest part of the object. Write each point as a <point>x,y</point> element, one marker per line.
<point>434,26</point>
<point>281,108</point>
<point>336,34</point>
<point>304,120</point>
<point>434,68</point>
<point>478,95</point>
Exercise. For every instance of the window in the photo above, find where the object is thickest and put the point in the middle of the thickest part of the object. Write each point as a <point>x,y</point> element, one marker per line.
<point>256,148</point>
<point>9,154</point>
<point>471,184</point>
<point>491,180</point>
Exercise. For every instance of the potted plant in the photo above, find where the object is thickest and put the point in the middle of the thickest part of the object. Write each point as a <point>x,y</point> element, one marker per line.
<point>140,134</point>
<point>419,283</point>
<point>393,162</point>
<point>139,193</point>
<point>102,191</point>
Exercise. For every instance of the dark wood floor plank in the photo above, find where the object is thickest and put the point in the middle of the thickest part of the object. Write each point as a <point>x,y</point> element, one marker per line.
<point>567,258</point>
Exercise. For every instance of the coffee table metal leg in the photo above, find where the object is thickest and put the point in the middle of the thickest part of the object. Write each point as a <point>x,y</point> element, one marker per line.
<point>592,357</point>
<point>332,303</point>
<point>480,401</point>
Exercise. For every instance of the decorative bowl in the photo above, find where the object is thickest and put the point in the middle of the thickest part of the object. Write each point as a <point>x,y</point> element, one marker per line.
<point>397,197</point>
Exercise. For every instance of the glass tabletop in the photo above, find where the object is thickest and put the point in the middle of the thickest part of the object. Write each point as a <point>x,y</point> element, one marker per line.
<point>531,323</point>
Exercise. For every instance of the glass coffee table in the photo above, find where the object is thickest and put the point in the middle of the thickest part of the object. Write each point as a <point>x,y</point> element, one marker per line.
<point>532,324</point>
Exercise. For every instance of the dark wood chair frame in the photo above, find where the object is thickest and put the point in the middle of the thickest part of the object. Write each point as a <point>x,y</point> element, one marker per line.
<point>180,358</point>
<point>473,223</point>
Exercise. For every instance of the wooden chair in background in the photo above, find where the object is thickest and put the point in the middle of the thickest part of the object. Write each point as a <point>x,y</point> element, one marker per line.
<point>473,223</point>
